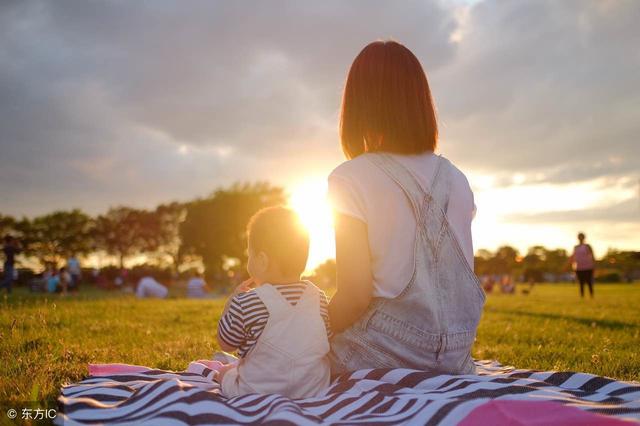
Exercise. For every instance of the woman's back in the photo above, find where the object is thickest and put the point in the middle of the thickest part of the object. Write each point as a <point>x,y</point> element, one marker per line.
<point>359,189</point>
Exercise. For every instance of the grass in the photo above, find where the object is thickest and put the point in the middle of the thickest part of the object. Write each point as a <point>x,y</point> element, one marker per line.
<point>45,341</point>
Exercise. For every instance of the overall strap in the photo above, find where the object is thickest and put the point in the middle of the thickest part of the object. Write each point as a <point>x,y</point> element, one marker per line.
<point>275,302</point>
<point>407,181</point>
<point>310,295</point>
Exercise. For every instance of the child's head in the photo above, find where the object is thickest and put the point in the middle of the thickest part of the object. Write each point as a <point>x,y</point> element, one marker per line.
<point>278,246</point>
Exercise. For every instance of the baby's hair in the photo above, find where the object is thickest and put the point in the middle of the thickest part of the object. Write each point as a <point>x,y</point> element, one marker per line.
<point>279,233</point>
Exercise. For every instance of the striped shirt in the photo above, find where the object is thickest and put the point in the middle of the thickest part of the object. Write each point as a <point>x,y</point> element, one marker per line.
<point>247,316</point>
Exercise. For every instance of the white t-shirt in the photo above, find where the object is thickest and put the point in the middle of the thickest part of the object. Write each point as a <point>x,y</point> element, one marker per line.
<point>149,287</point>
<point>360,189</point>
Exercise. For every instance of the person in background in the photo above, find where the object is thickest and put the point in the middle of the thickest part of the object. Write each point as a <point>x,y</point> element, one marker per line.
<point>148,287</point>
<point>11,249</point>
<point>53,279</point>
<point>583,261</point>
<point>488,283</point>
<point>197,287</point>
<point>507,286</point>
<point>73,266</point>
<point>65,280</point>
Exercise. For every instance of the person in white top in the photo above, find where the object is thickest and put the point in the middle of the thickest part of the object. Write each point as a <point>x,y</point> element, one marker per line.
<point>362,191</point>
<point>149,287</point>
<point>406,292</point>
<point>289,356</point>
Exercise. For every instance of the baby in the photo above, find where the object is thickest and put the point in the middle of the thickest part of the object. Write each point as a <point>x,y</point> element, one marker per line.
<point>277,323</point>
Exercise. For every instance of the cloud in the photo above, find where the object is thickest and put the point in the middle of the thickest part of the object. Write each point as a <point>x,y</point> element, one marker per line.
<point>105,93</point>
<point>106,103</point>
<point>621,212</point>
<point>545,88</point>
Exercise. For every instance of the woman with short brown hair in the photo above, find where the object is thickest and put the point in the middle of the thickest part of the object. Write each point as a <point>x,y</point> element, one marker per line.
<point>407,295</point>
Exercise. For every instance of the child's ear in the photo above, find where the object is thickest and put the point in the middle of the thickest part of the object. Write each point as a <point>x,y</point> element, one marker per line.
<point>264,260</point>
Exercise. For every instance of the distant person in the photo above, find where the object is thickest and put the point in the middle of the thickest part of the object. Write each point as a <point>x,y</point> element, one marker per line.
<point>197,287</point>
<point>53,281</point>
<point>148,287</point>
<point>507,286</point>
<point>584,264</point>
<point>73,266</point>
<point>11,249</point>
<point>487,283</point>
<point>65,280</point>
<point>121,279</point>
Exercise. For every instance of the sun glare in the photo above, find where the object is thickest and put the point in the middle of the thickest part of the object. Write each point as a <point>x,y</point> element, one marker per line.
<point>309,199</point>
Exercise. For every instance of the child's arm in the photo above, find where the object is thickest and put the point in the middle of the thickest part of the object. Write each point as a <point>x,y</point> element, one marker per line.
<point>230,333</point>
<point>223,345</point>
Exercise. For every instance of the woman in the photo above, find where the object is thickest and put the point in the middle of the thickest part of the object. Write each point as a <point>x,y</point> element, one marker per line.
<point>407,295</point>
<point>584,263</point>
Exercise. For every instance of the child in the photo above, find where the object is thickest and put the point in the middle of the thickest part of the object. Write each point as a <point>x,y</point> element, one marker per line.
<point>277,323</point>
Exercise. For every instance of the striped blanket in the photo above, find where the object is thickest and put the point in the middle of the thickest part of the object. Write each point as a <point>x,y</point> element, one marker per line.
<point>380,396</point>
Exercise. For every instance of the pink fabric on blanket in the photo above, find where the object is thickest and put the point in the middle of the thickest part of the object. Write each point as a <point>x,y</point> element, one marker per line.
<point>534,413</point>
<point>111,369</point>
<point>100,370</point>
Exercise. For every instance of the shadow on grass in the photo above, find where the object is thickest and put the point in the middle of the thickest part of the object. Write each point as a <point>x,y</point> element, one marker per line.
<point>589,322</point>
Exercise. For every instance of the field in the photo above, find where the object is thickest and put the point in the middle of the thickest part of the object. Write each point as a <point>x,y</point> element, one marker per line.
<point>45,342</point>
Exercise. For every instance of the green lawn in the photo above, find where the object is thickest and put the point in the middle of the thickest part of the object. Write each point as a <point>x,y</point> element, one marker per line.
<point>46,341</point>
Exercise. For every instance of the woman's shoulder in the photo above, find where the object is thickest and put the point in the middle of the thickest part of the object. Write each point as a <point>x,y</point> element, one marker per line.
<point>361,169</point>
<point>353,168</point>
<point>458,177</point>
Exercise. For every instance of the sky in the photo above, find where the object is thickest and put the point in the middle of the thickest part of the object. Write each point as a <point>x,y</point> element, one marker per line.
<point>121,103</point>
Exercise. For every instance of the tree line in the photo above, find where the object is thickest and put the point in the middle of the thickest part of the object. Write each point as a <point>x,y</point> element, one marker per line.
<point>542,264</point>
<point>209,229</point>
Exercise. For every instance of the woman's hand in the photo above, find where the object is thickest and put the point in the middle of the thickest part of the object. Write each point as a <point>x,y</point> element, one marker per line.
<point>222,371</point>
<point>353,273</point>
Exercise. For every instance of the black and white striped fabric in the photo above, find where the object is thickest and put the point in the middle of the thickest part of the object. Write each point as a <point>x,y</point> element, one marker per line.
<point>381,396</point>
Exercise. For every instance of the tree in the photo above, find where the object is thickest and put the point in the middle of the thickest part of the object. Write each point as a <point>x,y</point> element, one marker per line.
<point>123,231</point>
<point>7,225</point>
<point>169,217</point>
<point>505,260</point>
<point>324,276</point>
<point>56,236</point>
<point>214,227</point>
<point>556,261</point>
<point>533,264</point>
<point>483,262</point>
<point>627,262</point>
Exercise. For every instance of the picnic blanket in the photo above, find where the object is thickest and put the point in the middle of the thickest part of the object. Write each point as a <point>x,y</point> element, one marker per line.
<point>495,395</point>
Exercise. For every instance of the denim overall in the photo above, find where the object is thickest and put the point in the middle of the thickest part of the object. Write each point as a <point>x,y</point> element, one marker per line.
<point>432,324</point>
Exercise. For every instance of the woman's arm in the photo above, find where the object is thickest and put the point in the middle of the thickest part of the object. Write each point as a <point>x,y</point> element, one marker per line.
<point>353,273</point>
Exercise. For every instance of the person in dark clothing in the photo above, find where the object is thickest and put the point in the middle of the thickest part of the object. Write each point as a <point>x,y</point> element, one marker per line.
<point>11,249</point>
<point>584,262</point>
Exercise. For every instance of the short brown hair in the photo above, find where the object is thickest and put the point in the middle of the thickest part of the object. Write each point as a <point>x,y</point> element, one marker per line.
<point>387,99</point>
<point>279,233</point>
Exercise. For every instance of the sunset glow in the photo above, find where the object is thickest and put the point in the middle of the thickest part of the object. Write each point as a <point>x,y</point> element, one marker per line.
<point>309,199</point>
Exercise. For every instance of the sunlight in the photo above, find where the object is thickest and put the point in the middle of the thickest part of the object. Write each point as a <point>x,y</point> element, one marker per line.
<point>506,215</point>
<point>309,199</point>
